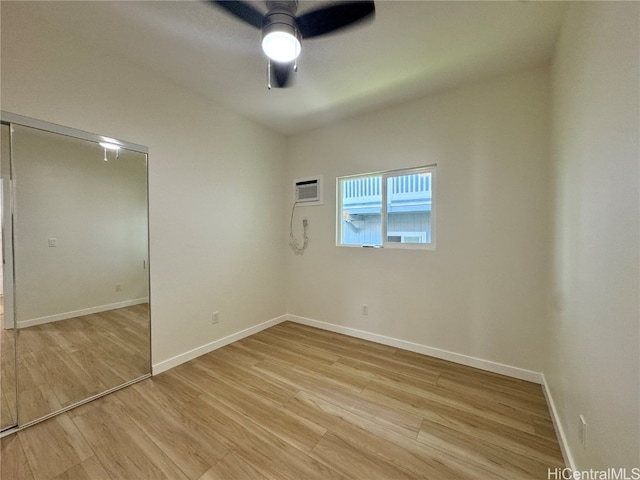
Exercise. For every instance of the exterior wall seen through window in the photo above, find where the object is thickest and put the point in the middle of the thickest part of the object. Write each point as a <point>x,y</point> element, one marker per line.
<point>403,209</point>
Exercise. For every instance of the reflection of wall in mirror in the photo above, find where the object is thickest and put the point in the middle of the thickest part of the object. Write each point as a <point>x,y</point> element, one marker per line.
<point>81,227</point>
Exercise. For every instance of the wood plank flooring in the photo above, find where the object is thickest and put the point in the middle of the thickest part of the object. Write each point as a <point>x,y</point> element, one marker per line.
<point>61,363</point>
<point>8,392</point>
<point>294,402</point>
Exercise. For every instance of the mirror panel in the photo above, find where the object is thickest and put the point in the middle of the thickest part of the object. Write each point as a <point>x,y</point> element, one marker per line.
<point>81,269</point>
<point>8,388</point>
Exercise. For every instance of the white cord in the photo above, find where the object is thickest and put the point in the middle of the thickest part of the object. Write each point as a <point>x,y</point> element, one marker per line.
<point>293,243</point>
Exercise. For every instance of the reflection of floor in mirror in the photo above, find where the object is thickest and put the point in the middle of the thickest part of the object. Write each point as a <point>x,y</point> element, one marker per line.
<point>63,362</point>
<point>7,374</point>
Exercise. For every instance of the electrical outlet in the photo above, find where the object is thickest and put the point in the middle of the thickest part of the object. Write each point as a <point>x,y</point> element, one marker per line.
<point>365,309</point>
<point>583,431</point>
<point>52,242</point>
<point>118,287</point>
<point>215,318</point>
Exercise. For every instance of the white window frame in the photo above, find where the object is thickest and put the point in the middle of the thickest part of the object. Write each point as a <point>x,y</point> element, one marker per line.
<point>429,169</point>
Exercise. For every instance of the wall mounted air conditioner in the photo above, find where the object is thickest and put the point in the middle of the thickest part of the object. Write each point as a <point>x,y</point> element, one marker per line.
<point>308,191</point>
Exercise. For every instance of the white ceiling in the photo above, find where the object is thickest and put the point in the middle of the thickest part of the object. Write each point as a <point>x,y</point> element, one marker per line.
<point>412,48</point>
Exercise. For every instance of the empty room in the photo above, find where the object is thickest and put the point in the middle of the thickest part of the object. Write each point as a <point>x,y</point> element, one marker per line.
<point>309,239</point>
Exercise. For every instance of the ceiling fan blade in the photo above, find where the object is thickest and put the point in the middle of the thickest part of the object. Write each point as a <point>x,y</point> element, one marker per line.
<point>242,10</point>
<point>334,17</point>
<point>281,74</point>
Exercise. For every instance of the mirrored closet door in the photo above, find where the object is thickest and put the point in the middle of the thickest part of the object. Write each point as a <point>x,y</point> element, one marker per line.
<point>80,266</point>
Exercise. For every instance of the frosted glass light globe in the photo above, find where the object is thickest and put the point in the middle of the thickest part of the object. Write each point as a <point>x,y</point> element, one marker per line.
<point>281,46</point>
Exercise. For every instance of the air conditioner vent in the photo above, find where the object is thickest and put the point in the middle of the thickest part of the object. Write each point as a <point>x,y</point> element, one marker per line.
<point>308,191</point>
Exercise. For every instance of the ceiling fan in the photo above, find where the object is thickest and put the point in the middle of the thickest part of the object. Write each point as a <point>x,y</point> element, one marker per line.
<point>283,31</point>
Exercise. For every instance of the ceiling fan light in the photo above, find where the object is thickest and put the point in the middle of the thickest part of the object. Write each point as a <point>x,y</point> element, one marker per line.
<point>280,45</point>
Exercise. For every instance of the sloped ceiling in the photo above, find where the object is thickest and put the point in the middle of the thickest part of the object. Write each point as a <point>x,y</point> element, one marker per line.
<point>411,49</point>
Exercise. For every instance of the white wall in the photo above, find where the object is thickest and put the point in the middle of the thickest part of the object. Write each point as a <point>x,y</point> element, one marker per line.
<point>216,226</point>
<point>482,292</point>
<point>593,360</point>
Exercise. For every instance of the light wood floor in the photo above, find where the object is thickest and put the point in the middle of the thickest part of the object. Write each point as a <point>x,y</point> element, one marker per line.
<point>8,412</point>
<point>63,362</point>
<point>293,402</point>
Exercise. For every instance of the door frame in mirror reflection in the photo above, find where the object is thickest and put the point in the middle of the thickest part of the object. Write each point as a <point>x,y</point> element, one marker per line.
<point>80,223</point>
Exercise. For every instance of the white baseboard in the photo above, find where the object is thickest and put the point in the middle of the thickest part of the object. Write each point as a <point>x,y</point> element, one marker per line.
<point>209,347</point>
<point>562,438</point>
<point>487,365</point>
<point>79,313</point>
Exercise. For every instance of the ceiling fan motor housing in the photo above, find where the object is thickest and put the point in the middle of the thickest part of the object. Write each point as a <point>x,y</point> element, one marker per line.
<point>290,5</point>
<point>281,18</point>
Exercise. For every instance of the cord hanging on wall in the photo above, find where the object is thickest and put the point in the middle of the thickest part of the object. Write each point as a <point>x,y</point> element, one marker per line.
<point>293,242</point>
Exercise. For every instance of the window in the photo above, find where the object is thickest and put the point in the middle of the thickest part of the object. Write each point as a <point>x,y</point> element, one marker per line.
<point>392,209</point>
